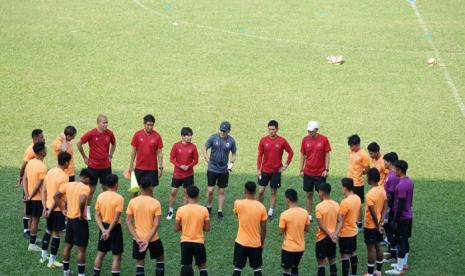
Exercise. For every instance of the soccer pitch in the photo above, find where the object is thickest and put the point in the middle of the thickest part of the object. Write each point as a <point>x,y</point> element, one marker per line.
<point>196,63</point>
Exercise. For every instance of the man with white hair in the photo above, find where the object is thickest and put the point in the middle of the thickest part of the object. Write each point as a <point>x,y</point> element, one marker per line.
<point>314,161</point>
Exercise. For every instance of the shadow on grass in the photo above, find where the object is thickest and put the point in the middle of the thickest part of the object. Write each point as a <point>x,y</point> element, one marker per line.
<point>436,245</point>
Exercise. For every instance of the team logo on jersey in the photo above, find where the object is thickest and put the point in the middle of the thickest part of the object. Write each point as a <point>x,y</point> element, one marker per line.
<point>142,139</point>
<point>227,145</point>
<point>267,145</point>
<point>179,150</point>
<point>308,145</point>
<point>96,138</point>
<point>277,145</point>
<point>217,143</point>
<point>318,145</point>
<point>107,139</point>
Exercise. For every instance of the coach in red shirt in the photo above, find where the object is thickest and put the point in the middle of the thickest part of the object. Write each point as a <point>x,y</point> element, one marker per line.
<point>147,153</point>
<point>184,156</point>
<point>100,154</point>
<point>269,163</point>
<point>314,161</point>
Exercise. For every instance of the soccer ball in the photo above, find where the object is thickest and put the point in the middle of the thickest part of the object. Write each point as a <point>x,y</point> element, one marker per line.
<point>335,59</point>
<point>432,61</point>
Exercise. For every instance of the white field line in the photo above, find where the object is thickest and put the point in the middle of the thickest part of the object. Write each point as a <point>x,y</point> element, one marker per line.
<point>268,38</point>
<point>442,65</point>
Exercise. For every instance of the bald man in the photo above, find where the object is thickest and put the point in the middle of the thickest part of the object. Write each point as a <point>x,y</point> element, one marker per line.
<point>100,154</point>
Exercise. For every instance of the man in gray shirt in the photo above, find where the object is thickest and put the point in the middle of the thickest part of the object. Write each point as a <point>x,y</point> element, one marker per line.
<point>219,164</point>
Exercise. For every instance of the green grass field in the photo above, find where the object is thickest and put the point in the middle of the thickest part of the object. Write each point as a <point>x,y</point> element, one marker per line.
<point>195,63</point>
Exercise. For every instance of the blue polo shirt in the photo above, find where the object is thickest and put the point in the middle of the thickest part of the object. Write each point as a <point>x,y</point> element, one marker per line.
<point>219,155</point>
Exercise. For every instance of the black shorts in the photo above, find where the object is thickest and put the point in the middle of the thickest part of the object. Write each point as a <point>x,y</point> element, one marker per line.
<point>152,175</point>
<point>404,229</point>
<point>360,191</point>
<point>56,221</point>
<point>72,178</point>
<point>311,182</point>
<point>347,245</point>
<point>185,182</point>
<point>325,248</point>
<point>99,174</point>
<point>372,236</point>
<point>273,178</point>
<point>114,242</point>
<point>217,179</point>
<point>190,250</point>
<point>242,253</point>
<point>34,208</point>
<point>290,259</point>
<point>155,248</point>
<point>77,232</point>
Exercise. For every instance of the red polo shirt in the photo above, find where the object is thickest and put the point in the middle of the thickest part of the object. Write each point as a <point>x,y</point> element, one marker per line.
<point>146,145</point>
<point>270,153</point>
<point>183,154</point>
<point>315,149</point>
<point>99,147</point>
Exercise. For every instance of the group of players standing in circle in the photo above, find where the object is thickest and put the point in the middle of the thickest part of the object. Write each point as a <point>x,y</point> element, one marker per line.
<point>56,195</point>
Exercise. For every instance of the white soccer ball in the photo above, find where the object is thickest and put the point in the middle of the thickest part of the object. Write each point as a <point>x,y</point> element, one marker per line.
<point>432,61</point>
<point>335,59</point>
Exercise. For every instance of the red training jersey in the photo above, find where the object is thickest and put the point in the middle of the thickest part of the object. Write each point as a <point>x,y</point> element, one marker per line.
<point>147,145</point>
<point>183,154</point>
<point>315,149</point>
<point>270,153</point>
<point>99,147</point>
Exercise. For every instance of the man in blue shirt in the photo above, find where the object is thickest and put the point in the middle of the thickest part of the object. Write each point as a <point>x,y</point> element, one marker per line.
<point>219,164</point>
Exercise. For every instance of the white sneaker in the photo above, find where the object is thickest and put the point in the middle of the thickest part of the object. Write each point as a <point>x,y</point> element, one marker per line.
<point>34,248</point>
<point>169,216</point>
<point>89,215</point>
<point>393,272</point>
<point>43,259</point>
<point>55,265</point>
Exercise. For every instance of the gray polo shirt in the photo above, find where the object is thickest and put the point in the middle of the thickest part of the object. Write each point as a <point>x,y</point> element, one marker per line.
<point>219,155</point>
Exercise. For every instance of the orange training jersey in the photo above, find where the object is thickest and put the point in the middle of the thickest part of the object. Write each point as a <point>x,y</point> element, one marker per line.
<point>29,154</point>
<point>376,197</point>
<point>56,150</point>
<point>35,171</point>
<point>358,162</point>
<point>379,165</point>
<point>293,221</point>
<point>192,218</point>
<point>349,208</point>
<point>250,213</point>
<point>327,211</point>
<point>54,179</point>
<point>73,192</point>
<point>144,209</point>
<point>108,204</point>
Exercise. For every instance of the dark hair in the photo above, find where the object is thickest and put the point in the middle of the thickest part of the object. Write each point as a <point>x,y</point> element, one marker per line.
<point>401,165</point>
<point>36,132</point>
<point>145,183</point>
<point>187,270</point>
<point>373,147</point>
<point>192,191</point>
<point>186,131</point>
<point>63,157</point>
<point>391,157</point>
<point>373,175</point>
<point>70,131</point>
<point>348,183</point>
<point>149,118</point>
<point>325,188</point>
<point>38,147</point>
<point>353,140</point>
<point>250,187</point>
<point>291,194</point>
<point>86,173</point>
<point>273,123</point>
<point>111,180</point>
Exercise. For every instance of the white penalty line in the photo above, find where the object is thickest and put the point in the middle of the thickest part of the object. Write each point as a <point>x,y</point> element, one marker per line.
<point>442,65</point>
<point>276,39</point>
